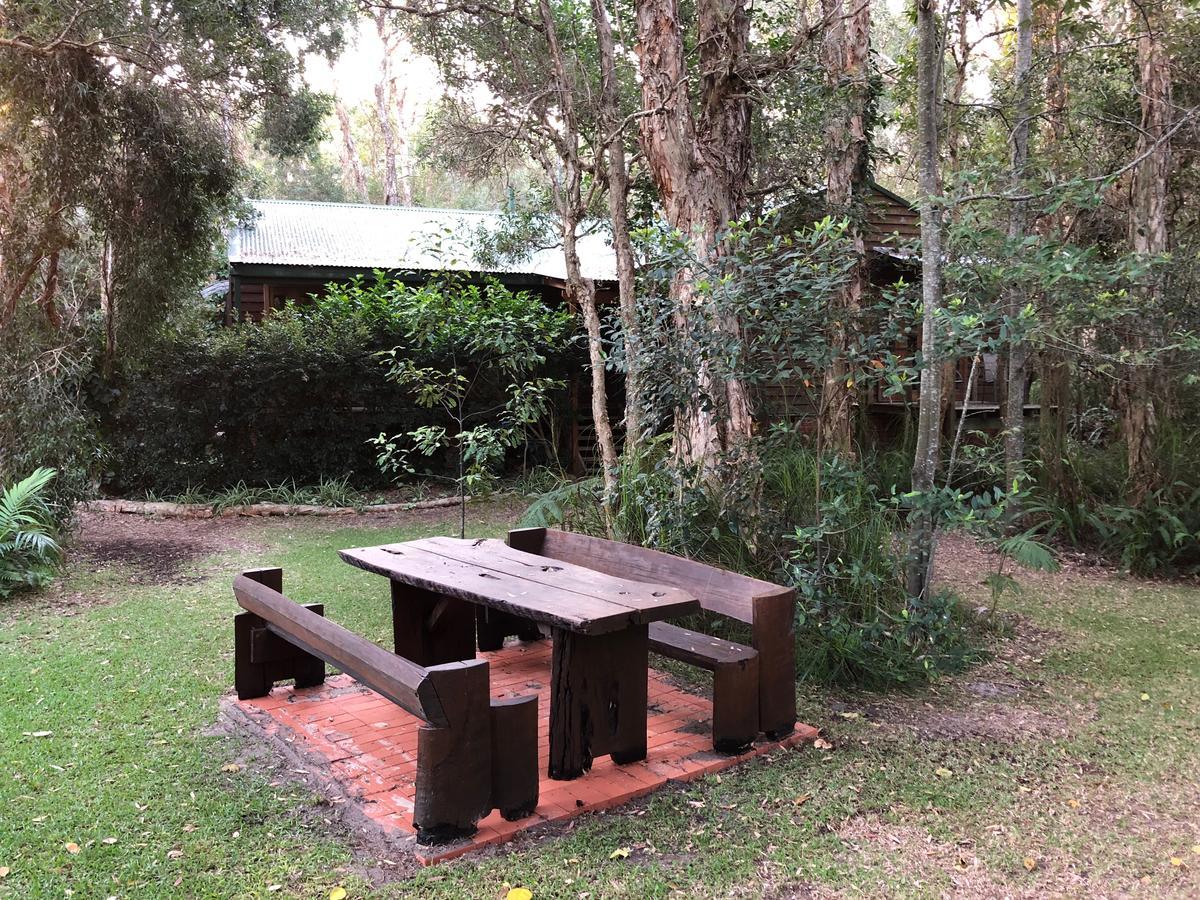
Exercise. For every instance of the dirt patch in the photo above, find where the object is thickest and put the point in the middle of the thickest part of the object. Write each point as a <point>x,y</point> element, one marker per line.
<point>154,551</point>
<point>963,564</point>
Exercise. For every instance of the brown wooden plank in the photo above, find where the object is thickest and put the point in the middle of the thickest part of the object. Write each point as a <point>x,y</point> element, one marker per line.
<point>695,648</point>
<point>396,678</point>
<point>522,597</point>
<point>649,602</point>
<point>718,590</point>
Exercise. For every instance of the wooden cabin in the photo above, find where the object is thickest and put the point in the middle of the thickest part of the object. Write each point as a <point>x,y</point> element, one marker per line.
<point>291,249</point>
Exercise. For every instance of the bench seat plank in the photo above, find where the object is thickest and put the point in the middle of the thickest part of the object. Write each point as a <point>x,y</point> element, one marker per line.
<point>697,648</point>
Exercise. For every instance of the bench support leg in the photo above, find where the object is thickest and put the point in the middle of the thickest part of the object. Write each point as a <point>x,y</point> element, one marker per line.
<point>515,756</point>
<point>597,699</point>
<point>735,705</point>
<point>261,657</point>
<point>454,764</point>
<point>430,629</point>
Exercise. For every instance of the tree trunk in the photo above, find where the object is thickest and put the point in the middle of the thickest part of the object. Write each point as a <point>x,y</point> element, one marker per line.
<point>925,462</point>
<point>846,56</point>
<point>700,165</point>
<point>384,92</point>
<point>108,307</point>
<point>616,172</point>
<point>568,187</point>
<point>48,301</point>
<point>351,163</point>
<point>1148,237</point>
<point>1015,297</point>
<point>1055,369</point>
<point>1052,422</point>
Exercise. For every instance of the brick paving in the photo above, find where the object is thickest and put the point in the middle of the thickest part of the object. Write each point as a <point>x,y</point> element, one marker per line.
<point>370,745</point>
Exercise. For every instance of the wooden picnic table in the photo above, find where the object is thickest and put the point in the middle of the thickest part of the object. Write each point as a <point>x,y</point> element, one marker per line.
<point>598,624</point>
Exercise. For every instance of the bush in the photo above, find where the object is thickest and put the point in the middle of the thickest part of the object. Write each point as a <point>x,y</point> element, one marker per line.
<point>45,423</point>
<point>823,529</point>
<point>295,399</point>
<point>28,551</point>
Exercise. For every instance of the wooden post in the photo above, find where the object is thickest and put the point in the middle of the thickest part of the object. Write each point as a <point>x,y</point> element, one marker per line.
<point>515,756</point>
<point>598,699</point>
<point>261,658</point>
<point>454,764</point>
<point>775,640</point>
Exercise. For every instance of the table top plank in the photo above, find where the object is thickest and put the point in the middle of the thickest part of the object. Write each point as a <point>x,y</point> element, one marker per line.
<point>548,591</point>
<point>649,602</point>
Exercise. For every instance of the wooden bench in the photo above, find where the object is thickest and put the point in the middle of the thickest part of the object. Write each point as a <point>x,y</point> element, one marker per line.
<point>474,754</point>
<point>754,688</point>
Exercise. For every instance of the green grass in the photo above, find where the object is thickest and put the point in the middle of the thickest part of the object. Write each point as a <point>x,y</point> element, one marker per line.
<point>129,689</point>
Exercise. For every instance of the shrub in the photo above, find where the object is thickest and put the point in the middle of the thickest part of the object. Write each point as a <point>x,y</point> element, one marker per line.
<point>28,551</point>
<point>45,422</point>
<point>295,399</point>
<point>823,528</point>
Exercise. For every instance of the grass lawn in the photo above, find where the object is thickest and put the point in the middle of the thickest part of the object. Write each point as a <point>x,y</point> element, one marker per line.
<point>1068,764</point>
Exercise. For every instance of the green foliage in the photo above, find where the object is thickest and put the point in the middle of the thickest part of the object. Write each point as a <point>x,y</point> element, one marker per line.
<point>824,529</point>
<point>301,397</point>
<point>46,423</point>
<point>28,551</point>
<point>490,344</point>
<point>293,400</point>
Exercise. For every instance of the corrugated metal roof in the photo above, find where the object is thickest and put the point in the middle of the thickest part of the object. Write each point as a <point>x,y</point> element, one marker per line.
<point>354,235</point>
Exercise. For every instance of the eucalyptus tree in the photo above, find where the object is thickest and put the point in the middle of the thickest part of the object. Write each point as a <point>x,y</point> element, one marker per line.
<point>846,50</point>
<point>925,462</point>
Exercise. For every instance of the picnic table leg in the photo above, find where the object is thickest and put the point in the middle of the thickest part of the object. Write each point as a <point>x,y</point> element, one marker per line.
<point>597,699</point>
<point>493,626</point>
<point>431,629</point>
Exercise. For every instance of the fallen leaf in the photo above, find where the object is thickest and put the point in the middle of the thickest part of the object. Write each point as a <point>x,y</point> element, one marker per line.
<point>231,767</point>
<point>802,799</point>
<point>108,840</point>
<point>272,888</point>
<point>4,870</point>
<point>942,772</point>
<point>174,854</point>
<point>822,744</point>
<point>619,853</point>
<point>338,893</point>
<point>1030,863</point>
<point>1073,803</point>
<point>519,893</point>
<point>71,847</point>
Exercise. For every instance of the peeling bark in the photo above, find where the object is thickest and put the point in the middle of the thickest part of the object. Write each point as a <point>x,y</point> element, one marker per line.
<point>1015,298</point>
<point>351,162</point>
<point>846,55</point>
<point>925,461</point>
<point>699,162</point>
<point>1148,237</point>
